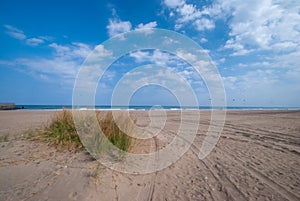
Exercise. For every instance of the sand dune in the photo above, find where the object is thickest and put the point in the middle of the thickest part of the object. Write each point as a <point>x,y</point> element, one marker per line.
<point>257,158</point>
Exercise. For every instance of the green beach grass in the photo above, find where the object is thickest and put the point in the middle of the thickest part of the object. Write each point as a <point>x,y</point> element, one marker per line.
<point>61,131</point>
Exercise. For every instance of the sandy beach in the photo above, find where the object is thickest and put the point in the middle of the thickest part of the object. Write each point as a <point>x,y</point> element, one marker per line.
<point>257,158</point>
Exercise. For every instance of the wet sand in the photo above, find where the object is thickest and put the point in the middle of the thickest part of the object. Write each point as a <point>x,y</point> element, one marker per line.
<point>257,158</point>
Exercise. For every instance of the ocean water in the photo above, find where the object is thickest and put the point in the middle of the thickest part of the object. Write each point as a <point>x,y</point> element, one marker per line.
<point>105,107</point>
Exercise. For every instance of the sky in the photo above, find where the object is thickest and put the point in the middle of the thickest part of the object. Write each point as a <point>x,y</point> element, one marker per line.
<point>254,44</point>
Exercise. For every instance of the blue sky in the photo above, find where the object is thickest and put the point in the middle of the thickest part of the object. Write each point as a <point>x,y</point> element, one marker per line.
<point>254,44</point>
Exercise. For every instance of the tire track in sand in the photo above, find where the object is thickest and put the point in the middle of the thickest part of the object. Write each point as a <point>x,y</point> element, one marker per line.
<point>152,184</point>
<point>231,191</point>
<point>231,187</point>
<point>256,173</point>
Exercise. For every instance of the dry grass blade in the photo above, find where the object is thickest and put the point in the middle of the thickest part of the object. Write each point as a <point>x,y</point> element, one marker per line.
<point>111,130</point>
<point>61,131</point>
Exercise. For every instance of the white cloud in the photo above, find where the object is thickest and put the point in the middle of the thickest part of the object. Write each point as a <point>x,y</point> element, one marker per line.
<point>140,56</point>
<point>203,40</point>
<point>14,32</point>
<point>178,26</point>
<point>205,51</point>
<point>100,53</point>
<point>147,26</point>
<point>74,51</point>
<point>204,24</point>
<point>63,65</point>
<point>7,63</point>
<point>272,25</point>
<point>261,25</point>
<point>184,69</point>
<point>162,58</point>
<point>81,50</point>
<point>189,14</point>
<point>19,34</point>
<point>238,48</point>
<point>66,69</point>
<point>157,57</point>
<point>186,55</point>
<point>261,88</point>
<point>173,3</point>
<point>273,81</point>
<point>285,45</point>
<point>116,27</point>
<point>204,66</point>
<point>60,49</point>
<point>168,40</point>
<point>34,41</point>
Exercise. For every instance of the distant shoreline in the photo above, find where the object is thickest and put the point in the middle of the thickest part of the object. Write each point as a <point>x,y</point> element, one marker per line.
<point>143,108</point>
<point>10,106</point>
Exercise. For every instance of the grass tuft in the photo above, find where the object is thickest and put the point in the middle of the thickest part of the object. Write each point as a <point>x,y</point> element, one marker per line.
<point>111,130</point>
<point>4,138</point>
<point>61,131</point>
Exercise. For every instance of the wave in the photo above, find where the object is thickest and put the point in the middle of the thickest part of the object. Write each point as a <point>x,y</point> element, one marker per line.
<point>143,108</point>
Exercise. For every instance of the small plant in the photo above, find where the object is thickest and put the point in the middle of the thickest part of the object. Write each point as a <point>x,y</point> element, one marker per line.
<point>61,131</point>
<point>4,138</point>
<point>111,130</point>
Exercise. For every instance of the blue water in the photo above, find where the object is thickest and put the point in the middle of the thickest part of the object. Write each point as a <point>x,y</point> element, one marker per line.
<point>59,107</point>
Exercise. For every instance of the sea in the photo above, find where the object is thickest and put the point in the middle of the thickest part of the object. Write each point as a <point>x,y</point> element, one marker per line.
<point>106,107</point>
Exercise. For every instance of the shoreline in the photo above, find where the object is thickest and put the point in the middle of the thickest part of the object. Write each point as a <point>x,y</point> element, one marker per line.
<point>145,107</point>
<point>172,109</point>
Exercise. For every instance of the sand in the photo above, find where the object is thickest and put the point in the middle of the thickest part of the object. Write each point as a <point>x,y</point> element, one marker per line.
<point>257,158</point>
